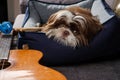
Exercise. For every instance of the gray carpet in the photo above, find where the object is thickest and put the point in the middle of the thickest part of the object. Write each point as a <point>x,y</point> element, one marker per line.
<point>104,70</point>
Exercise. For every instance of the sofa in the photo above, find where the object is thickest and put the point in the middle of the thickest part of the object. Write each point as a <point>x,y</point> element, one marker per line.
<point>104,44</point>
<point>56,54</point>
<point>104,67</point>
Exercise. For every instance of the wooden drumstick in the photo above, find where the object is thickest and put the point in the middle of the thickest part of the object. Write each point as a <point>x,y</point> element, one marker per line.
<point>28,29</point>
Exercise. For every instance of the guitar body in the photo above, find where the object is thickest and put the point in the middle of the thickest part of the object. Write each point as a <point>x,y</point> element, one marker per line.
<point>25,66</point>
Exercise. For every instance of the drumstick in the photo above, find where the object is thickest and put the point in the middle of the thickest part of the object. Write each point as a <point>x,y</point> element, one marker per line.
<point>28,29</point>
<point>38,27</point>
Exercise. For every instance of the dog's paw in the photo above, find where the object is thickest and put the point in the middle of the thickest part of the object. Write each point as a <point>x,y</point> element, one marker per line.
<point>25,46</point>
<point>18,29</point>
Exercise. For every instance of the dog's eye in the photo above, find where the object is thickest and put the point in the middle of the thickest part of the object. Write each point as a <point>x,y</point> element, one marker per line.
<point>75,31</point>
<point>74,28</point>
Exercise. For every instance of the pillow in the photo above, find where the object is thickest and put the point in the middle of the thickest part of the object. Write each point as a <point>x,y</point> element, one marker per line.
<point>104,13</point>
<point>39,11</point>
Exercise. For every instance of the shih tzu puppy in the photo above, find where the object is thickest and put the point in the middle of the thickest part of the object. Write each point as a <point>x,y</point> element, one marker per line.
<point>72,26</point>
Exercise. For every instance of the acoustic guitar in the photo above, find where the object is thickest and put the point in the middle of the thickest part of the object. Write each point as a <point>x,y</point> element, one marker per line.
<point>24,66</point>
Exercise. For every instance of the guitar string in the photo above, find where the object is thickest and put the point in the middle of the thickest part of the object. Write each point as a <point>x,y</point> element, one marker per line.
<point>2,67</point>
<point>2,60</point>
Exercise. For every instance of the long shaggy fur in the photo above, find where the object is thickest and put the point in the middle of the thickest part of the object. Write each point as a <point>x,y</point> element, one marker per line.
<point>78,23</point>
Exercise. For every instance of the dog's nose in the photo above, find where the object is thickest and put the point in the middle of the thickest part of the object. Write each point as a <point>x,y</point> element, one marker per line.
<point>66,33</point>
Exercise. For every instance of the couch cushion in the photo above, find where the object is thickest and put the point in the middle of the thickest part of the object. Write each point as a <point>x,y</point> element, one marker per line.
<point>39,11</point>
<point>104,13</point>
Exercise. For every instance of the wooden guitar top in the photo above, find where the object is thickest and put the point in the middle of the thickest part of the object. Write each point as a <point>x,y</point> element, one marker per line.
<point>25,66</point>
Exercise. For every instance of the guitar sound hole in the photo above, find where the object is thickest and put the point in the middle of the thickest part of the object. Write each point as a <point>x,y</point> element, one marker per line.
<point>4,65</point>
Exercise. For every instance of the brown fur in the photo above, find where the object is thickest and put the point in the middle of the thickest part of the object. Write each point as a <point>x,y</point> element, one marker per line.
<point>93,25</point>
<point>78,10</point>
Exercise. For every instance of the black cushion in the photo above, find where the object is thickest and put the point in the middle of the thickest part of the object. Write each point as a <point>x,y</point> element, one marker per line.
<point>105,43</point>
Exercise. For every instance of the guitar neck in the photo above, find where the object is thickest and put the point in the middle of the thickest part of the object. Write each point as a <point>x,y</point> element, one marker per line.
<point>5,44</point>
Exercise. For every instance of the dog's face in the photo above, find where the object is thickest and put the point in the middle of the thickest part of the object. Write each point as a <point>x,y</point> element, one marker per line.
<point>71,29</point>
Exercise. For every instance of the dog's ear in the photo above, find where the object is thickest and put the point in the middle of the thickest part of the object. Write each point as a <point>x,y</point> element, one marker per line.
<point>93,26</point>
<point>52,18</point>
<point>96,23</point>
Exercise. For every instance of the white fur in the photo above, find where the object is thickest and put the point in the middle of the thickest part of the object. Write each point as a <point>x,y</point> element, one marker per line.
<point>69,40</point>
<point>66,13</point>
<point>58,33</point>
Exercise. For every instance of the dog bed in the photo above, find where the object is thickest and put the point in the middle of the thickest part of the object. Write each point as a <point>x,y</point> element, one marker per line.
<point>105,43</point>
